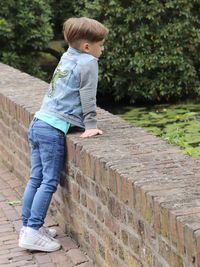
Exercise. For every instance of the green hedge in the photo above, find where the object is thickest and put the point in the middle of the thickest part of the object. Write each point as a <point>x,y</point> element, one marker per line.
<point>153,49</point>
<point>60,11</point>
<point>24,30</point>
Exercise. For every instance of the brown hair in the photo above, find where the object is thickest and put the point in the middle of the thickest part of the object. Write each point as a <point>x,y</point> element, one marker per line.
<point>77,29</point>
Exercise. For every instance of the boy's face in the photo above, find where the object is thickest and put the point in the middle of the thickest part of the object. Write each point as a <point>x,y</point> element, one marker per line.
<point>95,49</point>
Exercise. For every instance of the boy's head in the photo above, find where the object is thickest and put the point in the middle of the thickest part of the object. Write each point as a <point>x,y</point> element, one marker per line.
<point>85,34</point>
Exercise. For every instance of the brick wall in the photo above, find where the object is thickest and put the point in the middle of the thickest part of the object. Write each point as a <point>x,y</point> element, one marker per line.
<point>127,197</point>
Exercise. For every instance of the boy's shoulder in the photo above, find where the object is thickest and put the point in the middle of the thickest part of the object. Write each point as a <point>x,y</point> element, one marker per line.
<point>78,56</point>
<point>85,58</point>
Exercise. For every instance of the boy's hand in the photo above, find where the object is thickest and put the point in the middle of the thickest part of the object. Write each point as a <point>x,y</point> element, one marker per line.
<point>91,132</point>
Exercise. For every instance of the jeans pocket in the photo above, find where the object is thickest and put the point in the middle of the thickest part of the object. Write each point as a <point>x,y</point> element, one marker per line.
<point>47,150</point>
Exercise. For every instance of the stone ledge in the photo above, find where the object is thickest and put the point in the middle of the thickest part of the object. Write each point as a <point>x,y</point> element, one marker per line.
<point>125,183</point>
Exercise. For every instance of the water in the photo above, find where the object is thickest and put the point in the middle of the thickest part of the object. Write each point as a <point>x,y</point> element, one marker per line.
<point>178,124</point>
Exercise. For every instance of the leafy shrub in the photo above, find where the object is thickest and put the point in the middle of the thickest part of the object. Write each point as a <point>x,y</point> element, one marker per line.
<point>24,30</point>
<point>60,11</point>
<point>153,49</point>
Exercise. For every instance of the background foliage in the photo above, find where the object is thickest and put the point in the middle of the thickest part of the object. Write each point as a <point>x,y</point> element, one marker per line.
<point>153,49</point>
<point>152,52</point>
<point>24,30</point>
<point>60,11</point>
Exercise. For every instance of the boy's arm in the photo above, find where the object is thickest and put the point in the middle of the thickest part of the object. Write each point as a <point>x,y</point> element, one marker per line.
<point>88,89</point>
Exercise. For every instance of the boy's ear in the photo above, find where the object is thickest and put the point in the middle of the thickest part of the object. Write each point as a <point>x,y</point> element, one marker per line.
<point>85,47</point>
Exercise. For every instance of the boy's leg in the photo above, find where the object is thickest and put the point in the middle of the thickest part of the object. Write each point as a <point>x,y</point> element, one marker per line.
<point>35,177</point>
<point>51,148</point>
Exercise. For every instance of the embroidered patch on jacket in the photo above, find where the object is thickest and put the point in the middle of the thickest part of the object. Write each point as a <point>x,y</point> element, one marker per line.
<point>58,74</point>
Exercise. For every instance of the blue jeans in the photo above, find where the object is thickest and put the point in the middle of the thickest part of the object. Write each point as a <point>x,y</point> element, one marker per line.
<point>47,160</point>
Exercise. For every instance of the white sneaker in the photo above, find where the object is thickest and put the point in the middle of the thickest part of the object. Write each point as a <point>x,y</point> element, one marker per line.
<point>48,231</point>
<point>44,230</point>
<point>38,241</point>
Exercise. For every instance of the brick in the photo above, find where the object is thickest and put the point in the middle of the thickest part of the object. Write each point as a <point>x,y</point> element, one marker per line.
<point>76,256</point>
<point>4,186</point>
<point>109,258</point>
<point>50,265</point>
<point>102,173</point>
<point>185,234</point>
<point>144,206</point>
<point>93,189</point>
<point>5,236</point>
<point>101,250</point>
<point>170,255</point>
<point>134,243</point>
<point>91,204</point>
<point>85,184</point>
<point>100,213</point>
<point>14,183</point>
<point>79,178</point>
<point>150,236</point>
<point>121,252</point>
<point>190,245</point>
<point>111,243</point>
<point>157,263</point>
<point>18,249</point>
<point>132,260</point>
<point>75,192</point>
<point>34,265</point>
<point>79,157</point>
<point>89,166</point>
<point>164,222</point>
<point>90,220</point>
<point>4,261</point>
<point>21,258</point>
<point>42,258</point>
<point>17,225</point>
<point>8,242</point>
<point>164,250</point>
<point>58,256</point>
<point>113,182</point>
<point>112,260</point>
<point>176,228</point>
<point>12,215</point>
<point>86,236</point>
<point>112,224</point>
<point>147,255</point>
<point>67,243</point>
<point>70,151</point>
<point>86,264</point>
<point>6,229</point>
<point>81,213</point>
<point>83,198</point>
<point>3,251</point>
<point>176,260</point>
<point>17,254</point>
<point>126,193</point>
<point>124,236</point>
<point>102,194</point>
<point>114,207</point>
<point>93,242</point>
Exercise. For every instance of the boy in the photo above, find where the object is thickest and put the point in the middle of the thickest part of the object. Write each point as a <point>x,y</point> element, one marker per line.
<point>70,100</point>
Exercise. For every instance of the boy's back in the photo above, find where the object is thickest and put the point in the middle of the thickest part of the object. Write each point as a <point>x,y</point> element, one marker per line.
<point>72,91</point>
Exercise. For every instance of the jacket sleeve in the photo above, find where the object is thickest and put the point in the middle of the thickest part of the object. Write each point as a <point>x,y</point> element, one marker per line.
<point>88,90</point>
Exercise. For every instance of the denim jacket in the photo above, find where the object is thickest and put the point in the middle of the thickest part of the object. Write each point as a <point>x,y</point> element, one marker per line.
<point>71,95</point>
